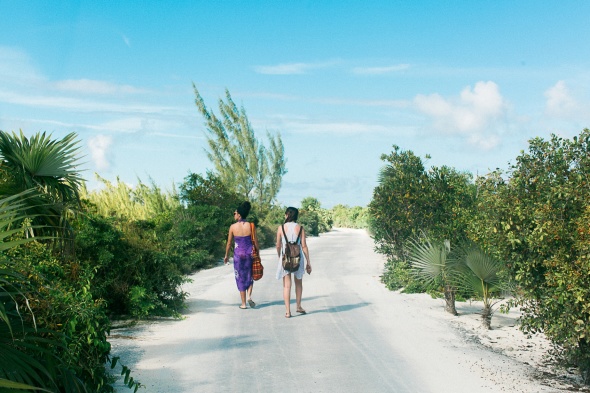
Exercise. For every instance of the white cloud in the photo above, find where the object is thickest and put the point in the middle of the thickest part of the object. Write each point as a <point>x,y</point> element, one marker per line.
<point>291,68</point>
<point>476,113</point>
<point>380,70</point>
<point>559,100</point>
<point>473,111</point>
<point>95,87</point>
<point>98,147</point>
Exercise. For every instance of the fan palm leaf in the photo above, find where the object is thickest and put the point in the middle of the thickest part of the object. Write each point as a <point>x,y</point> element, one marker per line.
<point>45,165</point>
<point>429,260</point>
<point>430,263</point>
<point>480,276</point>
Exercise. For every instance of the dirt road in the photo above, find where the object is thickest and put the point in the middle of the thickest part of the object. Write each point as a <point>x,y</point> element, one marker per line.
<point>356,337</point>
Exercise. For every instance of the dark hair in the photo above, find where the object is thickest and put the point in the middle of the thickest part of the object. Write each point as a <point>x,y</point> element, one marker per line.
<point>292,213</point>
<point>244,209</point>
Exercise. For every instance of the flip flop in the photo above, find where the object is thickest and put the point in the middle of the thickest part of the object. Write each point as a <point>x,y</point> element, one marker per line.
<point>251,303</point>
<point>301,311</point>
<point>287,315</point>
<point>243,308</point>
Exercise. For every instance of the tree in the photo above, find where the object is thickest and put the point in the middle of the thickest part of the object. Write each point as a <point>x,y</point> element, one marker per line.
<point>240,159</point>
<point>313,217</point>
<point>410,202</point>
<point>397,208</point>
<point>536,218</point>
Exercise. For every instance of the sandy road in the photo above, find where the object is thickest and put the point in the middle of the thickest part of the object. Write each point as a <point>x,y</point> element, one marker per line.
<point>356,337</point>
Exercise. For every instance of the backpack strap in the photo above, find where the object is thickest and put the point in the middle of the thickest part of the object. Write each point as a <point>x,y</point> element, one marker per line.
<point>299,235</point>
<point>285,234</point>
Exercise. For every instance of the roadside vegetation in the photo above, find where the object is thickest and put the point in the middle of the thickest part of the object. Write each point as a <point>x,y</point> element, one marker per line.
<point>523,232</point>
<point>73,260</point>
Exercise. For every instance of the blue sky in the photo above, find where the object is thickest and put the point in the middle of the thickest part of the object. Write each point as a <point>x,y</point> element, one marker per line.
<point>467,82</point>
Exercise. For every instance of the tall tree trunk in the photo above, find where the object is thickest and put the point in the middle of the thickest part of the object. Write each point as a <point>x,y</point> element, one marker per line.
<point>450,300</point>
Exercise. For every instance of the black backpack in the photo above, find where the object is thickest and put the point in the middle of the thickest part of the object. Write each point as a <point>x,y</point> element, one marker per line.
<point>292,254</point>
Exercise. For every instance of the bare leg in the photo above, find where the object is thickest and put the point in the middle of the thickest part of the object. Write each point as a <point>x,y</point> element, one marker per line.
<point>298,292</point>
<point>287,294</point>
<point>243,296</point>
<point>250,301</point>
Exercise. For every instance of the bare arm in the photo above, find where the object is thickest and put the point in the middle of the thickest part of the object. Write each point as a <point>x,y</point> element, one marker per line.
<point>279,241</point>
<point>230,238</point>
<point>305,251</point>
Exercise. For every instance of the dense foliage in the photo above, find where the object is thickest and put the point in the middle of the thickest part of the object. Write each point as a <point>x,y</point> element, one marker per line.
<point>411,202</point>
<point>536,217</point>
<point>529,227</point>
<point>313,217</point>
<point>344,216</point>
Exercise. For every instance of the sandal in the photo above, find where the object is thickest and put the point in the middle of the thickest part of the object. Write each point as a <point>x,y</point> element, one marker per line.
<point>243,308</point>
<point>251,303</point>
<point>287,315</point>
<point>301,311</point>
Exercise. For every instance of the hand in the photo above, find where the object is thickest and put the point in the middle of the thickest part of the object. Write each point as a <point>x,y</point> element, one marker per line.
<point>308,268</point>
<point>225,260</point>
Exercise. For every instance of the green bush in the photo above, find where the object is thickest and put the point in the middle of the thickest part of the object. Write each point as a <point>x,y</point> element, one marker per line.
<point>60,299</point>
<point>123,255</point>
<point>536,218</point>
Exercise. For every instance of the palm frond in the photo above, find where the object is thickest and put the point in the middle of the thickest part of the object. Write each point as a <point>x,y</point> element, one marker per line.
<point>428,259</point>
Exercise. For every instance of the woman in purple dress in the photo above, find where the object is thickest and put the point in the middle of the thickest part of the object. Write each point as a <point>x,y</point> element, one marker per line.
<point>241,232</point>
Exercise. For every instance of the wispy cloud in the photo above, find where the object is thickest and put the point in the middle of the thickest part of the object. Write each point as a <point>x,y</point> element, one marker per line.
<point>15,65</point>
<point>89,86</point>
<point>380,70</point>
<point>98,147</point>
<point>369,103</point>
<point>334,127</point>
<point>126,40</point>
<point>471,114</point>
<point>291,68</point>
<point>81,105</point>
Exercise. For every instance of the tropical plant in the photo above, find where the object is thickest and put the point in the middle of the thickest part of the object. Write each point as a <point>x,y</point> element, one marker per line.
<point>480,276</point>
<point>50,168</point>
<point>241,161</point>
<point>28,360</point>
<point>431,265</point>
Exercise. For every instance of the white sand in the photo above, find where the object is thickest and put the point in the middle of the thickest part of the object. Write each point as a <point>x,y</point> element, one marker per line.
<point>536,368</point>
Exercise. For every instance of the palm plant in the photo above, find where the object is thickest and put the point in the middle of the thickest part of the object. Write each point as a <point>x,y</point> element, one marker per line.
<point>479,275</point>
<point>27,361</point>
<point>430,264</point>
<point>46,166</point>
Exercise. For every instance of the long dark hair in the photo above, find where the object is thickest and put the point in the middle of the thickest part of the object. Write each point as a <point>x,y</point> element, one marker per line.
<point>292,214</point>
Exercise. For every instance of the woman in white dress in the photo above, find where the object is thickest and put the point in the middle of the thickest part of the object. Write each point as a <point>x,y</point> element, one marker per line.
<point>292,230</point>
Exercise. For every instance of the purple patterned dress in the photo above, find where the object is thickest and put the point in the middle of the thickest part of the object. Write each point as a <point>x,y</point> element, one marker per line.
<point>243,262</point>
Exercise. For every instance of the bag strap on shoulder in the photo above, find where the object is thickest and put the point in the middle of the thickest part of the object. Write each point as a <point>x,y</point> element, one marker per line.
<point>253,234</point>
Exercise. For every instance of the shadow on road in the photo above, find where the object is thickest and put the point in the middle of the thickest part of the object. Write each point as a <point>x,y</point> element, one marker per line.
<point>342,308</point>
